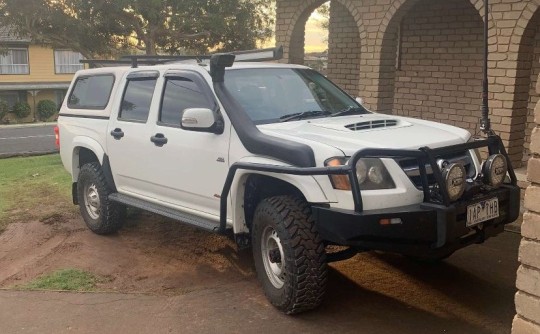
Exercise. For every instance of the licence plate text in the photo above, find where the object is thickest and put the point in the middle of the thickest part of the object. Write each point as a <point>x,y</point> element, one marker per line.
<point>482,211</point>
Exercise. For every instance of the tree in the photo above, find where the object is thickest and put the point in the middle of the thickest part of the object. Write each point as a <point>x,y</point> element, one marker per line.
<point>108,27</point>
<point>83,26</point>
<point>324,12</point>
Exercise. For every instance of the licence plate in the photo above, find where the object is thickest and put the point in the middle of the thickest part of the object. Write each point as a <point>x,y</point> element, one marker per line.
<point>482,211</point>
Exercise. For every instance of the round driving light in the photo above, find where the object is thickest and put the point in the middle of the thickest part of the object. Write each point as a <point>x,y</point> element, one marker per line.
<point>375,175</point>
<point>361,171</point>
<point>495,169</point>
<point>454,176</point>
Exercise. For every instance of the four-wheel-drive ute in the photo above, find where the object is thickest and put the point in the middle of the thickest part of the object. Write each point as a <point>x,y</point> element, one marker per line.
<point>281,159</point>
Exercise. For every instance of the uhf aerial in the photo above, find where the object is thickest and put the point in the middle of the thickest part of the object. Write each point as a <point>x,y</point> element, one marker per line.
<point>485,122</point>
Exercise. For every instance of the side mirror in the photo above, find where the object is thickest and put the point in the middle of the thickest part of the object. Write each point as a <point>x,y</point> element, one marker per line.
<point>202,120</point>
<point>360,100</point>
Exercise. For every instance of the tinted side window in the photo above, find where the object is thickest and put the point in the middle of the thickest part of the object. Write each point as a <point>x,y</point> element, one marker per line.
<point>137,99</point>
<point>180,94</point>
<point>91,92</point>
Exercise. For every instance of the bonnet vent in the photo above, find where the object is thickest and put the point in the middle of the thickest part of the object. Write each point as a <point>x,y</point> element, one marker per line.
<point>383,123</point>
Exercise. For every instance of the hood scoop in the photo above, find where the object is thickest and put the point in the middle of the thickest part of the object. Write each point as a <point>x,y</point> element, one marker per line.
<point>376,124</point>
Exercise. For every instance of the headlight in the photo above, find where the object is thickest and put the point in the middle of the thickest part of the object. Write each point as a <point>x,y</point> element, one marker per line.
<point>454,177</point>
<point>494,170</point>
<point>370,172</point>
<point>361,171</point>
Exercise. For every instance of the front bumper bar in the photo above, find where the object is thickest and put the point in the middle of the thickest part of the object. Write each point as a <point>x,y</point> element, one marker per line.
<point>433,228</point>
<point>426,229</point>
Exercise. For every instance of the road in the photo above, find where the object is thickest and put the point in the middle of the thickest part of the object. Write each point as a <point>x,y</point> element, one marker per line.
<point>471,292</point>
<point>37,139</point>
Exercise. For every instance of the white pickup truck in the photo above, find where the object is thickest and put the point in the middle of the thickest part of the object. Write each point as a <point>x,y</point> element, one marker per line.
<point>281,159</point>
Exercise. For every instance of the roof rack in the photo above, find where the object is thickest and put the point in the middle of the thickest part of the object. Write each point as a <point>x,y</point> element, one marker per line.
<point>268,54</point>
<point>93,63</point>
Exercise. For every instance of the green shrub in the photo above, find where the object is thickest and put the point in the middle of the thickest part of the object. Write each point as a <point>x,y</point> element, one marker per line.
<point>45,109</point>
<point>4,108</point>
<point>21,109</point>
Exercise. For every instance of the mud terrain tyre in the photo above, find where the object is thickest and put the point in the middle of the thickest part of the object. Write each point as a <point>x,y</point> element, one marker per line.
<point>100,215</point>
<point>289,254</point>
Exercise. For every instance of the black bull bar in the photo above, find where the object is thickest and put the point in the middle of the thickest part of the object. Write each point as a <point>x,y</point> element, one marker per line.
<point>424,156</point>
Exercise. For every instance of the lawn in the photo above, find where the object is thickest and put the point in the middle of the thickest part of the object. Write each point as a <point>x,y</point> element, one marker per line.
<point>64,279</point>
<point>34,188</point>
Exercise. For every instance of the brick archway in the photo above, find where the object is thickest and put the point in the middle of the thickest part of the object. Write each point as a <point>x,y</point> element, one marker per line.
<point>291,36</point>
<point>399,9</point>
<point>386,40</point>
<point>431,62</point>
<point>509,89</point>
<point>526,39</point>
<point>344,43</point>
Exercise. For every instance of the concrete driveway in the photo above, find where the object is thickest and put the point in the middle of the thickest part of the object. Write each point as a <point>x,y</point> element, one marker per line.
<point>472,292</point>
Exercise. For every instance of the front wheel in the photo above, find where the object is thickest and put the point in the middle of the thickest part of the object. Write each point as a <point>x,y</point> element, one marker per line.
<point>100,215</point>
<point>289,255</point>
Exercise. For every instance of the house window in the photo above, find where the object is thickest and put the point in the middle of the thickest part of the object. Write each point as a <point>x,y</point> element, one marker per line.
<point>12,97</point>
<point>67,61</point>
<point>14,61</point>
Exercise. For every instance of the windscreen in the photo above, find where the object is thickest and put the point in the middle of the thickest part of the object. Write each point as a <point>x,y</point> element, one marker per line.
<point>270,95</point>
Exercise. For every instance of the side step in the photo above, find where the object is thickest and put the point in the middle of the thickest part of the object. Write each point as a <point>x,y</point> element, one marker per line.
<point>161,210</point>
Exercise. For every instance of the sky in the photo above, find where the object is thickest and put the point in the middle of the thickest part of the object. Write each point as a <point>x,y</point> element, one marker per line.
<point>315,36</point>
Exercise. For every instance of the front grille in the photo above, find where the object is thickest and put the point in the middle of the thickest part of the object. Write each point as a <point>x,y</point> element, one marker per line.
<point>410,167</point>
<point>383,123</point>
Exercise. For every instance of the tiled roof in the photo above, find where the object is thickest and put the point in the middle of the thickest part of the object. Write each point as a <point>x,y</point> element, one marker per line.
<point>8,35</point>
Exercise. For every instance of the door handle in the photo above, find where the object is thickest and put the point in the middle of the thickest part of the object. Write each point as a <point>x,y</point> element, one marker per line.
<point>159,139</point>
<point>117,133</point>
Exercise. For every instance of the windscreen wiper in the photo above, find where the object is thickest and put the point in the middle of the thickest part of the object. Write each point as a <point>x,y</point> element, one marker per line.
<point>304,114</point>
<point>350,111</point>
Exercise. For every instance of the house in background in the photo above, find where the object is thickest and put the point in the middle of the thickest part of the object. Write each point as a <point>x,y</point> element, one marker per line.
<point>31,72</point>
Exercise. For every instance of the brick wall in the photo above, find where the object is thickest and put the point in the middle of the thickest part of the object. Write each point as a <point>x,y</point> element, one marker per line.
<point>442,47</point>
<point>439,73</point>
<point>378,24</point>
<point>344,49</point>
<point>527,320</point>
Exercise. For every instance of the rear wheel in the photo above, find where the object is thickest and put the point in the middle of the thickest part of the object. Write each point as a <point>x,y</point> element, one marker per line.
<point>100,215</point>
<point>289,255</point>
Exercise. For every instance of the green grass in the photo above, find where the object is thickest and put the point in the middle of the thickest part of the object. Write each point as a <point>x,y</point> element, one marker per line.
<point>32,188</point>
<point>64,279</point>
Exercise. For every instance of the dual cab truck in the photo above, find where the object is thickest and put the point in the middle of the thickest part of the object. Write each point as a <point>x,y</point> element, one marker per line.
<point>283,161</point>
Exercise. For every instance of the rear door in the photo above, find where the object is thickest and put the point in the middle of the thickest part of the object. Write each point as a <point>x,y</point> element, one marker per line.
<point>129,134</point>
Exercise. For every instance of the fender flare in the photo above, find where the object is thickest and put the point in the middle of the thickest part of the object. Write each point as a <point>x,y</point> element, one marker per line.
<point>307,185</point>
<point>88,143</point>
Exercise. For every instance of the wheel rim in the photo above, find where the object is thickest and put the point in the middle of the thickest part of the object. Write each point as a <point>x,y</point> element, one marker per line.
<point>273,257</point>
<point>91,201</point>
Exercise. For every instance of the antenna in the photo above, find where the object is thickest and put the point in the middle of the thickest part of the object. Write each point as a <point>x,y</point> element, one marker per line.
<point>485,122</point>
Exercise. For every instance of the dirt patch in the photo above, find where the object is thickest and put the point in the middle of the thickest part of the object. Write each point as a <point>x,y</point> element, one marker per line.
<point>150,254</point>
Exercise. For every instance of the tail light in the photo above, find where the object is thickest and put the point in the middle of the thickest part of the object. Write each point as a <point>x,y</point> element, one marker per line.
<point>57,137</point>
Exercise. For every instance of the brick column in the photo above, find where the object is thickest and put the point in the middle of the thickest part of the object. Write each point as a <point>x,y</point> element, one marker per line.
<point>344,49</point>
<point>527,320</point>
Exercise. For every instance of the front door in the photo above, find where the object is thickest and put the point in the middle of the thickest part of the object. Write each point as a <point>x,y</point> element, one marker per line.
<point>189,167</point>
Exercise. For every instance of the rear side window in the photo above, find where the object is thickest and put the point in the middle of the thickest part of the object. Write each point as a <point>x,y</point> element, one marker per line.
<point>91,92</point>
<point>179,95</point>
<point>137,100</point>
